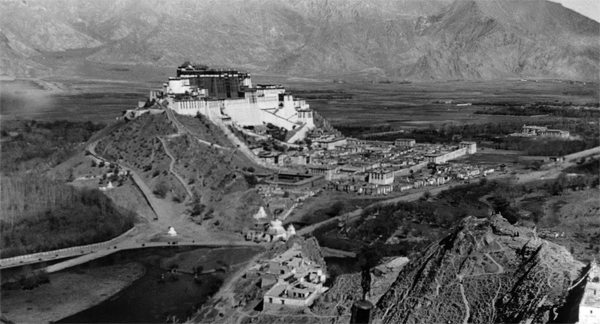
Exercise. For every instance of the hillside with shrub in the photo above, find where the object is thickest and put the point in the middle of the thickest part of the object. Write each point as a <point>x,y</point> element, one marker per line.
<point>215,176</point>
<point>136,145</point>
<point>213,173</point>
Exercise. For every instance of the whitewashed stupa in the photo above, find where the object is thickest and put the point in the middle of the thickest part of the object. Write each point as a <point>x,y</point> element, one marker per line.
<point>276,230</point>
<point>291,231</point>
<point>260,214</point>
<point>171,231</point>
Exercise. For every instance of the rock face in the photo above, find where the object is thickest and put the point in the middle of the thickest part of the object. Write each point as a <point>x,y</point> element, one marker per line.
<point>487,271</point>
<point>407,39</point>
<point>347,289</point>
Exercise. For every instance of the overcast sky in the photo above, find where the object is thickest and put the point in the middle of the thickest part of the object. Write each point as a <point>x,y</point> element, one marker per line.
<point>589,8</point>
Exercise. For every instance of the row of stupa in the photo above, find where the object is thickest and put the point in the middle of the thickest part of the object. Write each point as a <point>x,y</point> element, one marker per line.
<point>269,231</point>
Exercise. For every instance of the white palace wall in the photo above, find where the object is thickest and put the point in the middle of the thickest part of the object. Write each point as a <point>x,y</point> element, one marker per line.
<point>243,113</point>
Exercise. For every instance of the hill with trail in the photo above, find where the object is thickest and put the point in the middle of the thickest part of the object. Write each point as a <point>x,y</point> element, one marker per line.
<point>185,172</point>
<point>487,271</point>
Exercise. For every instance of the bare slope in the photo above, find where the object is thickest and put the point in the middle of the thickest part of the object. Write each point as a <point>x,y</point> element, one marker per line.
<point>434,39</point>
<point>488,271</point>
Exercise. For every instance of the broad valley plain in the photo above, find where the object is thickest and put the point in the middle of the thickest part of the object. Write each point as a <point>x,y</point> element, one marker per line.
<point>265,161</point>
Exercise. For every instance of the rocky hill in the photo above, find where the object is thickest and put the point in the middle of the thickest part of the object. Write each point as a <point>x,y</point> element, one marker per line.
<point>487,271</point>
<point>406,39</point>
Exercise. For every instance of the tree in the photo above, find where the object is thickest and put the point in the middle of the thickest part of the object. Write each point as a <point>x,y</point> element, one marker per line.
<point>556,189</point>
<point>426,195</point>
<point>196,207</point>
<point>161,189</point>
<point>537,216</point>
<point>335,209</point>
<point>251,179</point>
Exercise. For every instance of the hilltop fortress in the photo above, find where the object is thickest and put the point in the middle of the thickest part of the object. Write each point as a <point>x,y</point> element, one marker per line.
<point>228,96</point>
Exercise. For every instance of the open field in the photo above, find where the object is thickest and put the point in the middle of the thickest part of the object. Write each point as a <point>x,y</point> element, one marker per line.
<point>83,90</point>
<point>489,156</point>
<point>412,105</point>
<point>570,219</point>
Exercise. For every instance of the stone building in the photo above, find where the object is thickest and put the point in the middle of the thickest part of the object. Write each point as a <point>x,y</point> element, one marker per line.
<point>299,281</point>
<point>405,142</point>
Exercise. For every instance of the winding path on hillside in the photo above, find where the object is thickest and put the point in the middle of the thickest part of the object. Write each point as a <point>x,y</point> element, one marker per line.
<point>465,302</point>
<point>182,129</point>
<point>137,237</point>
<point>137,180</point>
<point>500,268</point>
<point>172,169</point>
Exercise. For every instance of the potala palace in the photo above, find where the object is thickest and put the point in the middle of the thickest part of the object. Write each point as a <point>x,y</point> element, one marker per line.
<point>228,96</point>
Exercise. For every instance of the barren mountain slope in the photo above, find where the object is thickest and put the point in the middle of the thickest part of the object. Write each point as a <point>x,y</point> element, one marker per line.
<point>488,271</point>
<point>434,39</point>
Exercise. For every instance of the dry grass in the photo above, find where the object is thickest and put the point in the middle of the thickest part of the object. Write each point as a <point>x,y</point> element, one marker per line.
<point>578,217</point>
<point>204,129</point>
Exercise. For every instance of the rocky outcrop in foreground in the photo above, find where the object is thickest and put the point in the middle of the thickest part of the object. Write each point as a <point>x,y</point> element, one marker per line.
<point>487,271</point>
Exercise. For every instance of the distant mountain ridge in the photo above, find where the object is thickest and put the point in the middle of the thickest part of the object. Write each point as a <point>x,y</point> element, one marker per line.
<point>405,39</point>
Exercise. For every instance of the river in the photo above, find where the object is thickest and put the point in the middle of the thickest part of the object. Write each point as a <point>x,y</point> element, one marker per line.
<point>150,299</point>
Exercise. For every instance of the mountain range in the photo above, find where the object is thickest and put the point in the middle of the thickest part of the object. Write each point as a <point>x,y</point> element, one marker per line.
<point>372,39</point>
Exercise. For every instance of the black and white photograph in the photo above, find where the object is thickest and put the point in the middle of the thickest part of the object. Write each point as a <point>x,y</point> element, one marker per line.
<point>300,161</point>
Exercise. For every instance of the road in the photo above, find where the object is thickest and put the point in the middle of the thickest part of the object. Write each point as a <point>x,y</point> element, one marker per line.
<point>127,241</point>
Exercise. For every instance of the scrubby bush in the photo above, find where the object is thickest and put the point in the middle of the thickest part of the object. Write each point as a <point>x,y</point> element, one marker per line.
<point>251,180</point>
<point>161,189</point>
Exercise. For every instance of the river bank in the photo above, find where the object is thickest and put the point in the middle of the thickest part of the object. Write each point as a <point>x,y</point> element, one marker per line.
<point>68,293</point>
<point>131,286</point>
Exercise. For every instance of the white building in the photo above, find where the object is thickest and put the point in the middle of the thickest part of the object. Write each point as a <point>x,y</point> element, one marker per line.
<point>381,177</point>
<point>470,146</point>
<point>265,104</point>
<point>276,231</point>
<point>405,142</point>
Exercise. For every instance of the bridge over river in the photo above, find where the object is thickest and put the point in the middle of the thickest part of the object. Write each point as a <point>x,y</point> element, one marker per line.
<point>126,241</point>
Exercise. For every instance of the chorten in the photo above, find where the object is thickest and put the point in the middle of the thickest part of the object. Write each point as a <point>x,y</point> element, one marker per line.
<point>291,231</point>
<point>172,231</point>
<point>260,214</point>
<point>276,230</point>
<point>260,219</point>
